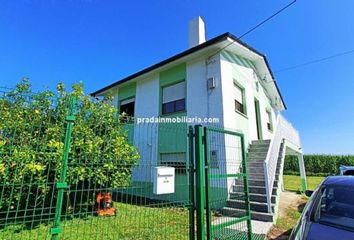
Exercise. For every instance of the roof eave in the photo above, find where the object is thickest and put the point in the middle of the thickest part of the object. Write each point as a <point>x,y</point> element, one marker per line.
<point>208,43</point>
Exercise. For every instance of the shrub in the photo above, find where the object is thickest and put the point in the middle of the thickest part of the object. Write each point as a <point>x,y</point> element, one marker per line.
<point>32,131</point>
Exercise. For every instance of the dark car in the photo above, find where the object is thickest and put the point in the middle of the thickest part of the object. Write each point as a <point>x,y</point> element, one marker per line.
<point>346,170</point>
<point>329,214</point>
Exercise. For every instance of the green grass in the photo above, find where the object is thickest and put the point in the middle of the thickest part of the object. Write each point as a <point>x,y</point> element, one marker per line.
<point>292,183</point>
<point>288,219</point>
<point>131,222</point>
<point>288,222</point>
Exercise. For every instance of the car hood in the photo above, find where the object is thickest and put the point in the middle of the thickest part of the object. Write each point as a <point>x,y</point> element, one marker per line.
<point>319,231</point>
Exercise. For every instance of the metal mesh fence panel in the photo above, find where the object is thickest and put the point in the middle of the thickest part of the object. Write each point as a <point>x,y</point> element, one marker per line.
<point>32,134</point>
<point>72,171</point>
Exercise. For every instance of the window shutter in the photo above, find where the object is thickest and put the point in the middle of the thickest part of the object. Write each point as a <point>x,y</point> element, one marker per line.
<point>127,101</point>
<point>174,92</point>
<point>238,94</point>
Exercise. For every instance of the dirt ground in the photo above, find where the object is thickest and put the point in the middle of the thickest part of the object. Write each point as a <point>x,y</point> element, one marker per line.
<point>291,205</point>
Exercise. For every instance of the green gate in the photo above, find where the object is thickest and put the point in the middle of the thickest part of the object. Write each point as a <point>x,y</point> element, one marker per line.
<point>222,199</point>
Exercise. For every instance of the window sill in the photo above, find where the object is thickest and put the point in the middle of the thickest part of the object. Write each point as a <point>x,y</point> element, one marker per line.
<point>242,114</point>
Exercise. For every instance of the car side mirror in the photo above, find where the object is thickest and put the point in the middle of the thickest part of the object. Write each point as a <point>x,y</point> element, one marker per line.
<point>308,193</point>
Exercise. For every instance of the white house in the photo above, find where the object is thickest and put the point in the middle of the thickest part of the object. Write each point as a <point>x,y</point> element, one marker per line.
<point>221,78</point>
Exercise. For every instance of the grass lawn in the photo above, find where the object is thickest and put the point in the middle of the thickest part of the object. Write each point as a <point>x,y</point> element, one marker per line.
<point>131,222</point>
<point>288,218</point>
<point>292,183</point>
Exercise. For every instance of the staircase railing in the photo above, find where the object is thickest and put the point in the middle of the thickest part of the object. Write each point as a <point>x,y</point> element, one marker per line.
<point>283,130</point>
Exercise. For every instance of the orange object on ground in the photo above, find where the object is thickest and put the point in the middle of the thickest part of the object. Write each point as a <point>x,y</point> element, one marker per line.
<point>104,205</point>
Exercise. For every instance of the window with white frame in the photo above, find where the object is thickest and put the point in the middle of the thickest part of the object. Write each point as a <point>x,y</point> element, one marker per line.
<point>127,107</point>
<point>270,120</point>
<point>239,97</point>
<point>174,98</point>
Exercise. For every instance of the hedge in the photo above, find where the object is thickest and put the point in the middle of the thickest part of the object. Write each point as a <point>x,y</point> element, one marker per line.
<point>318,165</point>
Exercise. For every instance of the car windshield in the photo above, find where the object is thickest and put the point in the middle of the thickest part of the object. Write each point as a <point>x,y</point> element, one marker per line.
<point>336,207</point>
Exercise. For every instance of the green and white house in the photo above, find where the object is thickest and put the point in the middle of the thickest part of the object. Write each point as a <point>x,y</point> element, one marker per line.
<point>221,78</point>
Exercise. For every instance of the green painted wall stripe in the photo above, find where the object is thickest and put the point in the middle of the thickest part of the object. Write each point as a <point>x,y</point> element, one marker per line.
<point>173,75</point>
<point>127,91</point>
<point>168,77</point>
<point>259,119</point>
<point>233,58</point>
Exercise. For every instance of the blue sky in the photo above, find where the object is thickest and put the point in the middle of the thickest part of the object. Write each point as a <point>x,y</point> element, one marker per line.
<point>99,42</point>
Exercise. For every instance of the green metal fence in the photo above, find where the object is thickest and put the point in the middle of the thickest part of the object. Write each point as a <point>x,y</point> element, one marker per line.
<point>71,169</point>
<point>59,175</point>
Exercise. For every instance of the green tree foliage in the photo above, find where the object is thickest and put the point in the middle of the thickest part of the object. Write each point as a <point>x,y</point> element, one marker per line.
<point>318,165</point>
<point>32,131</point>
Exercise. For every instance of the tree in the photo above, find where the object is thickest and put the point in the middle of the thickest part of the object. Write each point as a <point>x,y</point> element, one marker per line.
<point>32,130</point>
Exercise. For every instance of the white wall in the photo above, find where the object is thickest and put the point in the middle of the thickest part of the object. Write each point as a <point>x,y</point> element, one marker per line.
<point>234,67</point>
<point>145,135</point>
<point>207,103</point>
<point>202,102</point>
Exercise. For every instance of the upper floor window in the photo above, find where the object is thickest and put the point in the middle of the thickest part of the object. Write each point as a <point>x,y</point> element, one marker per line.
<point>126,109</point>
<point>240,99</point>
<point>270,121</point>
<point>174,98</point>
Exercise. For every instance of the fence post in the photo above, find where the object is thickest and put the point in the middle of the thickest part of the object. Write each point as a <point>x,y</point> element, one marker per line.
<point>246,187</point>
<point>61,185</point>
<point>200,200</point>
<point>191,183</point>
<point>207,184</point>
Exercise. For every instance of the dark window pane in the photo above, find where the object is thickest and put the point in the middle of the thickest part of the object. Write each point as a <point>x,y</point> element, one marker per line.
<point>128,109</point>
<point>168,107</point>
<point>239,106</point>
<point>269,125</point>
<point>180,105</point>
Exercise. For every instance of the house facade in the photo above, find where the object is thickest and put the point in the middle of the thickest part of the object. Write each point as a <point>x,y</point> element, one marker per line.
<point>222,79</point>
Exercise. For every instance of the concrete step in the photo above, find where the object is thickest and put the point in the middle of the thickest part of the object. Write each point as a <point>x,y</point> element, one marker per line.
<point>256,150</point>
<point>259,144</point>
<point>254,189</point>
<point>256,175</point>
<point>265,217</point>
<point>255,206</point>
<point>252,182</point>
<point>257,155</point>
<point>254,197</point>
<point>255,163</point>
<point>256,159</point>
<point>255,142</point>
<point>256,182</point>
<point>256,169</point>
<point>262,198</point>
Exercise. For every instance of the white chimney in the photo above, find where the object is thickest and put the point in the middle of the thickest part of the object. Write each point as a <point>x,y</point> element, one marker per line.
<point>196,32</point>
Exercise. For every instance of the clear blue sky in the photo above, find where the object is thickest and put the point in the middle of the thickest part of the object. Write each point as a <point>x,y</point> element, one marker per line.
<point>100,42</point>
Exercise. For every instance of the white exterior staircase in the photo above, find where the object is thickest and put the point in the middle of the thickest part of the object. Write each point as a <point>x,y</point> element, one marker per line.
<point>265,163</point>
